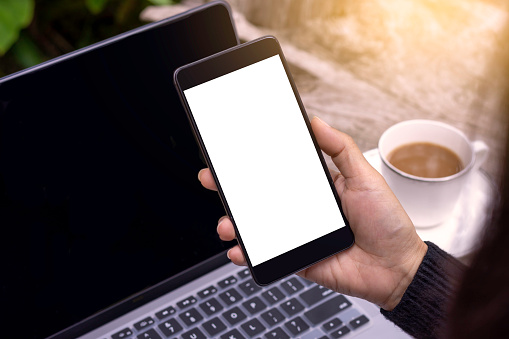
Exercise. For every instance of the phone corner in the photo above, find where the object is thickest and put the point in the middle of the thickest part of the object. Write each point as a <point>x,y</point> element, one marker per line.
<point>175,77</point>
<point>222,3</point>
<point>256,278</point>
<point>270,37</point>
<point>260,283</point>
<point>350,244</point>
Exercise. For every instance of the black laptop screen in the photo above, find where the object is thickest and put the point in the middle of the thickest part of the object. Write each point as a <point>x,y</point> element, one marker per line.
<point>99,196</point>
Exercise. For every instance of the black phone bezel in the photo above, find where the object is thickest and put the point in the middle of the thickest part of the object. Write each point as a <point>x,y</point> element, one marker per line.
<point>228,61</point>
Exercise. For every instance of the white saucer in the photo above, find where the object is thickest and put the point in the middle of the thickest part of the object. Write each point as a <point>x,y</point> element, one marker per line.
<point>459,235</point>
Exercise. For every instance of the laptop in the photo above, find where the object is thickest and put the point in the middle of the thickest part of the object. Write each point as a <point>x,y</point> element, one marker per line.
<point>106,230</point>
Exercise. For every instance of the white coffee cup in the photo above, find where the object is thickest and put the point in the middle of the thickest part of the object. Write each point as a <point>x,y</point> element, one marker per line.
<point>429,201</point>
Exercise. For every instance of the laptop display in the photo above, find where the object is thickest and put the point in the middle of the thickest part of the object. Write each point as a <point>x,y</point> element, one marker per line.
<point>99,196</point>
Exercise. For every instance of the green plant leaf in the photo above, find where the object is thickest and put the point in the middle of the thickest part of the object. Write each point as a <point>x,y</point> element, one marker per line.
<point>14,16</point>
<point>163,2</point>
<point>21,11</point>
<point>96,6</point>
<point>26,52</point>
<point>7,38</point>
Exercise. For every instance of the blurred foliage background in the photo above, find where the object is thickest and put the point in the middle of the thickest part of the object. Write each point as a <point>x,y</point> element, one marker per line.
<point>33,31</point>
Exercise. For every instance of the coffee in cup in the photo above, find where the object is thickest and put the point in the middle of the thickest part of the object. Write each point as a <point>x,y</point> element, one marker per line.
<point>427,163</point>
<point>425,159</point>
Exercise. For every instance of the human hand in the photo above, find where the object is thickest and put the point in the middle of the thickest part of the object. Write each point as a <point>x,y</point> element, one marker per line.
<point>387,250</point>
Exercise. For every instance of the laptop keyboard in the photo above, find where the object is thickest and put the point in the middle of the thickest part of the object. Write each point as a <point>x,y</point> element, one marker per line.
<point>236,308</point>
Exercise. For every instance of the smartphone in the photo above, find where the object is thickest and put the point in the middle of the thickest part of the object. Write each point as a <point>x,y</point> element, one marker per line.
<point>254,133</point>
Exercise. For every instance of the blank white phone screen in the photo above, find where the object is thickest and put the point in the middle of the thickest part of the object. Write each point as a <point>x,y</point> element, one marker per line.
<point>264,159</point>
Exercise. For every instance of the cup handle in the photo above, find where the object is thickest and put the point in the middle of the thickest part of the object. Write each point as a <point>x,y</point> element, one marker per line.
<point>481,151</point>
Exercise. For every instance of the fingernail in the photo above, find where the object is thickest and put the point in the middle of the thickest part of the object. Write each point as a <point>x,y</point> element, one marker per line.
<point>221,220</point>
<point>228,254</point>
<point>199,174</point>
<point>323,122</point>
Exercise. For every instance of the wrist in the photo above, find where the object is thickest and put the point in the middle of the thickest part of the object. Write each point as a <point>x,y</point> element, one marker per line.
<point>406,274</point>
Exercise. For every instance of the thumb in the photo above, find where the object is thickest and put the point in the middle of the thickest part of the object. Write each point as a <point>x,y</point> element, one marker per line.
<point>341,148</point>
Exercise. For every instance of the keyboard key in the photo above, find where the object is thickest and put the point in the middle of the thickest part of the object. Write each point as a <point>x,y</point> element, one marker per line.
<point>306,282</point>
<point>249,287</point>
<point>253,327</point>
<point>190,317</point>
<point>122,334</point>
<point>230,297</point>
<point>170,327</point>
<point>244,273</point>
<point>140,325</point>
<point>315,294</point>
<point>231,280</point>
<point>292,306</point>
<point>207,292</point>
<point>187,302</point>
<point>292,286</point>
<point>314,334</point>
<point>233,334</point>
<point>214,326</point>
<point>359,321</point>
<point>234,316</point>
<point>273,296</point>
<point>341,332</point>
<point>211,306</point>
<point>332,324</point>
<point>327,309</point>
<point>254,305</point>
<point>297,326</point>
<point>150,334</point>
<point>195,333</point>
<point>165,313</point>
<point>277,333</point>
<point>273,317</point>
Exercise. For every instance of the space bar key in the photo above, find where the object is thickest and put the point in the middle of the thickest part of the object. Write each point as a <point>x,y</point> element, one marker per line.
<point>326,310</point>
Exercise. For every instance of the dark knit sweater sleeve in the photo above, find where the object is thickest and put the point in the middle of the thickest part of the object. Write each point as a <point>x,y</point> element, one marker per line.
<point>422,311</point>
